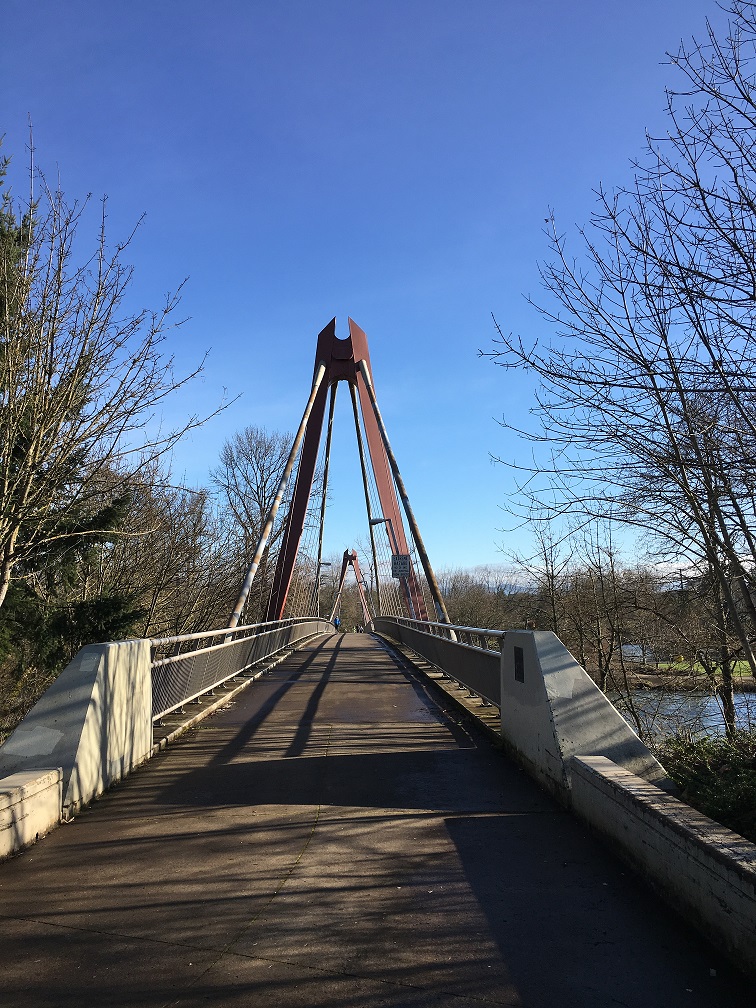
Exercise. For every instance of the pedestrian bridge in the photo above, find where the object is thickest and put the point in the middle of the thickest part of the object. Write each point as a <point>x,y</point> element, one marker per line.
<point>339,831</point>
<point>275,813</point>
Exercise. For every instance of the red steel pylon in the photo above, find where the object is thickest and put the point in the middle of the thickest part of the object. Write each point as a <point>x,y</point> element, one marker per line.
<point>348,360</point>
<point>342,359</point>
<point>350,560</point>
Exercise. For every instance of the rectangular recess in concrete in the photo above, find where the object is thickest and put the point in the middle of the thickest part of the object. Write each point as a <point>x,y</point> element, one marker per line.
<point>519,665</point>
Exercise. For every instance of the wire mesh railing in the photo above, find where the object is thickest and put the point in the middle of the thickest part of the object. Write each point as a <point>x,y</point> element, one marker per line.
<point>179,676</point>
<point>473,659</point>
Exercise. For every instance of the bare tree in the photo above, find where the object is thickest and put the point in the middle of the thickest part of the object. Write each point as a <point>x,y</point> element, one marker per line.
<point>546,571</point>
<point>247,477</point>
<point>647,392</point>
<point>174,557</point>
<point>82,380</point>
<point>491,597</point>
<point>248,474</point>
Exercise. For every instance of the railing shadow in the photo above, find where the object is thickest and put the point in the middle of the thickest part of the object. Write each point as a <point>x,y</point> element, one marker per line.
<point>248,731</point>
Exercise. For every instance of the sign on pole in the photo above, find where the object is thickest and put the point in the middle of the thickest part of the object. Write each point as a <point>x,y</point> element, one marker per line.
<point>400,565</point>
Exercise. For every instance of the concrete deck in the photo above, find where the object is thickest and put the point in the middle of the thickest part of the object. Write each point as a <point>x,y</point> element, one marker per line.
<point>337,837</point>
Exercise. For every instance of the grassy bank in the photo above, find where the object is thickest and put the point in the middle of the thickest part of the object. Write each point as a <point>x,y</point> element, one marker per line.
<point>717,776</point>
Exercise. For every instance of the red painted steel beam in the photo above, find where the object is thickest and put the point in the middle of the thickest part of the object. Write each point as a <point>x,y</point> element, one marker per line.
<point>382,469</point>
<point>292,534</point>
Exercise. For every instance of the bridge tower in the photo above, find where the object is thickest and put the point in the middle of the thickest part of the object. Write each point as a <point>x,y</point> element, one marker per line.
<point>350,560</point>
<point>344,360</point>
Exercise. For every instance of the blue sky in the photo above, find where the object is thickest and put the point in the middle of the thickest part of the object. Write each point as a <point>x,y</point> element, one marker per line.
<point>392,161</point>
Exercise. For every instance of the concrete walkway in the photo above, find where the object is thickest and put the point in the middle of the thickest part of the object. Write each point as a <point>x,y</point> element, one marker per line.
<point>336,838</point>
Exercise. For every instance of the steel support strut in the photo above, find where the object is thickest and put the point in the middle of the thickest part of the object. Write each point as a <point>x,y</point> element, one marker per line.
<point>323,499</point>
<point>267,528</point>
<point>363,470</point>
<point>382,471</point>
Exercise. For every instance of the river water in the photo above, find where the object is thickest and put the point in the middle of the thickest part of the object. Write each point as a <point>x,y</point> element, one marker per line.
<point>663,713</point>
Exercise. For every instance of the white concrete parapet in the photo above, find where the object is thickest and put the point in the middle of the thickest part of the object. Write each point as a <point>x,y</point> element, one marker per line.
<point>95,722</point>
<point>30,806</point>
<point>551,710</point>
<point>703,869</point>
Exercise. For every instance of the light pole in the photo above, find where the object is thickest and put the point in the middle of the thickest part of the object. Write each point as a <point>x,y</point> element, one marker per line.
<point>391,533</point>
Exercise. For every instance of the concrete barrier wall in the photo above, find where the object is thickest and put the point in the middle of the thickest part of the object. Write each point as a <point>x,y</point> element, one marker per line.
<point>30,806</point>
<point>474,667</point>
<point>94,722</point>
<point>551,710</point>
<point>703,869</point>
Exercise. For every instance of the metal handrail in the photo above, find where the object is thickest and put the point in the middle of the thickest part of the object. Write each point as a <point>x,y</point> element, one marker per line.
<point>447,626</point>
<point>158,641</point>
<point>452,632</point>
<point>194,673</point>
<point>274,627</point>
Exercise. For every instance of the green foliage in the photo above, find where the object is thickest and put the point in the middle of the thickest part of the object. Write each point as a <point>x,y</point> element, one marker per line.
<point>39,636</point>
<point>82,380</point>
<point>105,618</point>
<point>51,609</point>
<point>15,239</point>
<point>717,776</point>
<point>43,634</point>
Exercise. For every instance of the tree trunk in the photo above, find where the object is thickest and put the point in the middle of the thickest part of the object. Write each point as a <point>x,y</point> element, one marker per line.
<point>726,693</point>
<point>6,566</point>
